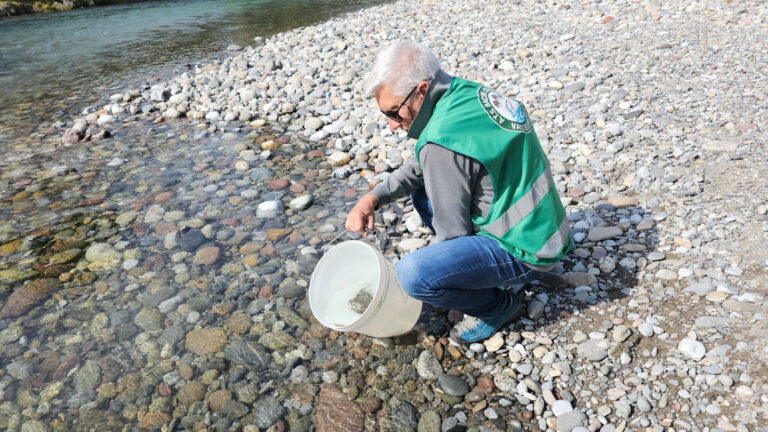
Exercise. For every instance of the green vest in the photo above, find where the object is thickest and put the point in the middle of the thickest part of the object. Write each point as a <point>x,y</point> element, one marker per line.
<point>526,216</point>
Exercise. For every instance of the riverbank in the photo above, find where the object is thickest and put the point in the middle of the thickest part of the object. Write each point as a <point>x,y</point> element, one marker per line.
<point>158,247</point>
<point>23,7</point>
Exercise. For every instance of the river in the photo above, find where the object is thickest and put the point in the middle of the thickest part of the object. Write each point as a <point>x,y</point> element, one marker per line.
<point>54,65</point>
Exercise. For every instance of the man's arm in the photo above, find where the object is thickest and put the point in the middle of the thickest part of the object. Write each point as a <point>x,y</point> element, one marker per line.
<point>402,182</point>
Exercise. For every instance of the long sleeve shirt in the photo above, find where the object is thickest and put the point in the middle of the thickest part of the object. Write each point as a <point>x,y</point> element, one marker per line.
<point>457,186</point>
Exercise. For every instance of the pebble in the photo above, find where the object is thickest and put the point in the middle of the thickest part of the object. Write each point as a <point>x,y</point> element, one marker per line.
<point>645,329</point>
<point>692,349</point>
<point>453,385</point>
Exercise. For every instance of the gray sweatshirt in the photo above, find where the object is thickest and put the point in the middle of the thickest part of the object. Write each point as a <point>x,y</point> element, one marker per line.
<point>457,185</point>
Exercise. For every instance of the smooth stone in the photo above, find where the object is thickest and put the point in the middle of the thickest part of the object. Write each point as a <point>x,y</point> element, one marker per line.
<point>655,256</point>
<point>494,343</point>
<point>604,233</point>
<point>207,255</point>
<point>622,410</point>
<point>645,329</point>
<point>269,209</point>
<point>535,309</point>
<point>561,407</point>
<point>411,244</point>
<point>569,421</point>
<point>453,385</point>
<point>576,279</point>
<point>666,274</point>
<point>301,203</point>
<point>621,333</point>
<point>189,239</point>
<point>594,349</point>
<point>711,321</point>
<point>701,288</point>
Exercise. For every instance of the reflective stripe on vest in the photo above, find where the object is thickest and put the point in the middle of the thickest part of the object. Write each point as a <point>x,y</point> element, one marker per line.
<point>555,242</point>
<point>523,206</point>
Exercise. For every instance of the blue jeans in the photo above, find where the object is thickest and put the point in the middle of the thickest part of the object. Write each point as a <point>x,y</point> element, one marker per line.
<point>463,274</point>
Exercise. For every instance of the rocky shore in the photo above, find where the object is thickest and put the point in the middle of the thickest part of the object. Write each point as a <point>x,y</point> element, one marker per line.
<point>155,252</point>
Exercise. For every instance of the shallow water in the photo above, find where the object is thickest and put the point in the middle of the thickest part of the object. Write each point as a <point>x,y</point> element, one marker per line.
<point>53,65</point>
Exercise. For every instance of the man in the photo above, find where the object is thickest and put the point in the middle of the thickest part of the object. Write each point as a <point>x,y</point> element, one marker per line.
<point>480,181</point>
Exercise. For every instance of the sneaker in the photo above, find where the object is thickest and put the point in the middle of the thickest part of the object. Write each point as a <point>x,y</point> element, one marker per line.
<point>471,329</point>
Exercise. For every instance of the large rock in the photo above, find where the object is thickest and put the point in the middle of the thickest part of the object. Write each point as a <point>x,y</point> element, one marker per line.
<point>206,341</point>
<point>243,353</point>
<point>29,295</point>
<point>335,413</point>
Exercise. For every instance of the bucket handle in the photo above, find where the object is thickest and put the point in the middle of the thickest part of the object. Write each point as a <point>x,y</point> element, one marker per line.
<point>368,230</point>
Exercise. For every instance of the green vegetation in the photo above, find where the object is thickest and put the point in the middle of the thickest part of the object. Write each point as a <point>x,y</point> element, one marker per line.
<point>20,7</point>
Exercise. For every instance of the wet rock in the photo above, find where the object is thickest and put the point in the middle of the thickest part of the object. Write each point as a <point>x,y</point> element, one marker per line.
<point>102,256</point>
<point>152,419</point>
<point>277,340</point>
<point>206,341</point>
<point>20,369</point>
<point>207,255</point>
<point>27,296</point>
<point>335,413</point>
<point>189,239</point>
<point>191,393</point>
<point>87,377</point>
<point>301,203</point>
<point>269,209</point>
<point>247,354</point>
<point>404,417</point>
<point>267,411</point>
<point>149,320</point>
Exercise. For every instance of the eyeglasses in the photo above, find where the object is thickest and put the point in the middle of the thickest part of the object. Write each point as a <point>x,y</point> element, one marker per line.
<point>395,113</point>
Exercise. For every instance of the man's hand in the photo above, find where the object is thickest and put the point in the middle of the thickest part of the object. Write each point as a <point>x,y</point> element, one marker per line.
<point>362,214</point>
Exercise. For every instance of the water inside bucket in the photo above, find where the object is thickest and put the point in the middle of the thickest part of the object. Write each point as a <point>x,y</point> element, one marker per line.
<point>348,302</point>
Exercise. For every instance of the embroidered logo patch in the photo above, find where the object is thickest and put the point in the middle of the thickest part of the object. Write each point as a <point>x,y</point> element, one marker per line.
<point>506,112</point>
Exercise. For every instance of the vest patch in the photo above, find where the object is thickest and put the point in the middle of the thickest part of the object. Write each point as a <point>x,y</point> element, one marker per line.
<point>506,112</point>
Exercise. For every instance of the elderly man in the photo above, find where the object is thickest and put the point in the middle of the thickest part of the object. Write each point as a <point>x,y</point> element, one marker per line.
<point>480,180</point>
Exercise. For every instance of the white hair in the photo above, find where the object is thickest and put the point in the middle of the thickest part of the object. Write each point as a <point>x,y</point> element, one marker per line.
<point>401,66</point>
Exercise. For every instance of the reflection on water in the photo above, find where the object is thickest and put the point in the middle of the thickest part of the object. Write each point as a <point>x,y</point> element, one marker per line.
<point>51,64</point>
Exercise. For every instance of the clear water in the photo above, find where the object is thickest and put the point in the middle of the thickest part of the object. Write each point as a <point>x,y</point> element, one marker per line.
<point>53,64</point>
<point>339,311</point>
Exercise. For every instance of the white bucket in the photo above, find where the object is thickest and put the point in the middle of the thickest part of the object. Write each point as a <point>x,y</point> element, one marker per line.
<point>342,273</point>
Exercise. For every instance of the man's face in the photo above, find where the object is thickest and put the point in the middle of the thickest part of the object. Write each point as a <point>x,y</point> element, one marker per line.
<point>387,101</point>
